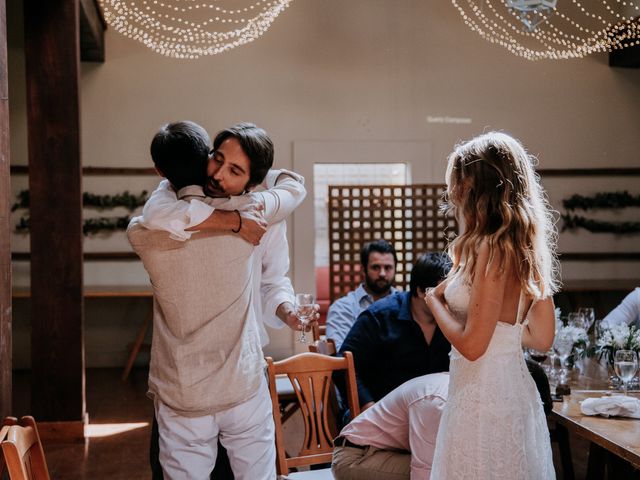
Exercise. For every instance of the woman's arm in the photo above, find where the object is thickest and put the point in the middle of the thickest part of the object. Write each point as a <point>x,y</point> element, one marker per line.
<point>485,305</point>
<point>541,329</point>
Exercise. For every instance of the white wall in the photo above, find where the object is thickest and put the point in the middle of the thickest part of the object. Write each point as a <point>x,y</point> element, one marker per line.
<point>359,72</point>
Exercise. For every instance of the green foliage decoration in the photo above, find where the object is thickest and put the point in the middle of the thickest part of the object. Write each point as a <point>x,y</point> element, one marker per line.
<point>91,226</point>
<point>604,200</point>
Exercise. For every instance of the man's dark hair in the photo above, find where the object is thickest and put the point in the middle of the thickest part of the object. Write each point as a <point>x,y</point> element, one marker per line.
<point>380,246</point>
<point>255,143</point>
<point>180,150</point>
<point>428,271</point>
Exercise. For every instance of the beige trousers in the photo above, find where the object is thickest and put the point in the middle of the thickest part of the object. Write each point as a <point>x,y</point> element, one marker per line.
<point>370,463</point>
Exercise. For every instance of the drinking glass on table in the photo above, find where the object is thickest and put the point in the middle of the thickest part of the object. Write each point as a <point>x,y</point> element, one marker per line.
<point>625,363</point>
<point>305,312</point>
<point>537,356</point>
<point>563,346</point>
<point>589,316</point>
<point>576,319</point>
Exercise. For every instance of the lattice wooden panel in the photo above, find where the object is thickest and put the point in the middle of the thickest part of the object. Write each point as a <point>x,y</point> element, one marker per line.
<point>407,216</point>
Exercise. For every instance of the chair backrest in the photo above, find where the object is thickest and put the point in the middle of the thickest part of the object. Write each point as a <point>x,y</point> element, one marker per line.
<point>311,377</point>
<point>318,331</point>
<point>324,346</point>
<point>6,423</point>
<point>23,451</point>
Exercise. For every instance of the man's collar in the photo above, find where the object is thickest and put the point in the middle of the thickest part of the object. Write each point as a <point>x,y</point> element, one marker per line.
<point>190,191</point>
<point>361,293</point>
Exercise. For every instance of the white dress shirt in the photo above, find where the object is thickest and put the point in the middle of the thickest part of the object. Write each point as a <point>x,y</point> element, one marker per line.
<point>627,312</point>
<point>405,419</point>
<point>271,286</point>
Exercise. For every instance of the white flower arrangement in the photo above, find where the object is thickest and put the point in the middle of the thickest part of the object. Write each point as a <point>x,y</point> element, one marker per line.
<point>577,335</point>
<point>617,337</point>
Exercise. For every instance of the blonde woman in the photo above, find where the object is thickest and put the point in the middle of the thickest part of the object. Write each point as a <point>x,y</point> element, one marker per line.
<point>496,299</point>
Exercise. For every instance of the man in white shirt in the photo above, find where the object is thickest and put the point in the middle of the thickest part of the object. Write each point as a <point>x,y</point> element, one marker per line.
<point>188,433</point>
<point>376,444</point>
<point>628,312</point>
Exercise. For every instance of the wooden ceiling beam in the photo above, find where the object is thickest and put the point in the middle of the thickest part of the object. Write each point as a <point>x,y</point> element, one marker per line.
<point>92,27</point>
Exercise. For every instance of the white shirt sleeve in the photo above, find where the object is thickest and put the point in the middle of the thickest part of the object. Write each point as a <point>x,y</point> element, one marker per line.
<point>285,192</point>
<point>163,211</point>
<point>424,419</point>
<point>627,312</point>
<point>275,286</point>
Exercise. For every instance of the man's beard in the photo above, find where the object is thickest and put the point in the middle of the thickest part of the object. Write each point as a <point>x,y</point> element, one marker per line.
<point>213,189</point>
<point>378,286</point>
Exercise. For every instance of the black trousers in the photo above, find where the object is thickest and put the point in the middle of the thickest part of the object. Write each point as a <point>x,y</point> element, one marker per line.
<point>221,471</point>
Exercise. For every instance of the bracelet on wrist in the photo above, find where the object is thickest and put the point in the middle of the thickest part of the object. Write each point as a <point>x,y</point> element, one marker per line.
<point>239,223</point>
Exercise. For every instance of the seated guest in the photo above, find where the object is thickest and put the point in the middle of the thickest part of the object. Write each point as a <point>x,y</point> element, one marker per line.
<point>627,312</point>
<point>397,339</point>
<point>396,437</point>
<point>378,260</point>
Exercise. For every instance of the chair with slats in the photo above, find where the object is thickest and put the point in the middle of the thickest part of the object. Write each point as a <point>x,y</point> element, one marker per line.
<point>324,346</point>
<point>22,450</point>
<point>311,377</point>
<point>318,331</point>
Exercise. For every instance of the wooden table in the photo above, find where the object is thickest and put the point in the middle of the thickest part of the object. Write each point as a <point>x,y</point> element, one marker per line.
<point>618,436</point>
<point>114,291</point>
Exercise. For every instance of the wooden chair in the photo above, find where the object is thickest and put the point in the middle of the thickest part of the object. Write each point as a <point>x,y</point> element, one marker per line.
<point>325,347</point>
<point>311,377</point>
<point>319,331</point>
<point>23,451</point>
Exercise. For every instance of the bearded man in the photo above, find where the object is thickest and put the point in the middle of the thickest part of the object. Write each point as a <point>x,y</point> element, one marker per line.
<point>378,260</point>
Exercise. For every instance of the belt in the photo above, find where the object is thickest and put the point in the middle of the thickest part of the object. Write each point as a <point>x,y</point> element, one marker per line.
<point>344,442</point>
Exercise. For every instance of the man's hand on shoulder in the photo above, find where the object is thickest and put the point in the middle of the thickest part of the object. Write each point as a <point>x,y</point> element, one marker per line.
<point>252,224</point>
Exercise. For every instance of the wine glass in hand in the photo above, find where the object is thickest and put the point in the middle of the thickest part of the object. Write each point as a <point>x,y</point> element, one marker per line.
<point>304,311</point>
<point>626,365</point>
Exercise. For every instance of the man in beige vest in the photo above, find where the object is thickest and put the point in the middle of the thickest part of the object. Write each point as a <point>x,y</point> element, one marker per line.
<point>206,373</point>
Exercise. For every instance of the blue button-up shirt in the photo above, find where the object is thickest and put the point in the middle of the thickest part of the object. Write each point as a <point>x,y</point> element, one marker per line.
<point>389,348</point>
<point>344,312</point>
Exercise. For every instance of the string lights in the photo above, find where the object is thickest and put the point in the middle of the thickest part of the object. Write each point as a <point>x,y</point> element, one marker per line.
<point>552,29</point>
<point>191,28</point>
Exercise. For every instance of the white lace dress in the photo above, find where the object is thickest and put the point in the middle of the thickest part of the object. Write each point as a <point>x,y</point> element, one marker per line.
<point>493,426</point>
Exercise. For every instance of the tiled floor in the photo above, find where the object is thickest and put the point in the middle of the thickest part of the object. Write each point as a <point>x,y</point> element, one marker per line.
<point>119,416</point>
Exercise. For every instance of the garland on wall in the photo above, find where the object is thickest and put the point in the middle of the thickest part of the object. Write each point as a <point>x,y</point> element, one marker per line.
<point>101,202</point>
<point>605,200</point>
<point>93,225</point>
<point>602,200</point>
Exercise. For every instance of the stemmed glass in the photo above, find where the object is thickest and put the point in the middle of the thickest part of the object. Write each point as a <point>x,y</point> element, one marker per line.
<point>305,312</point>
<point>589,316</point>
<point>626,366</point>
<point>576,319</point>
<point>563,346</point>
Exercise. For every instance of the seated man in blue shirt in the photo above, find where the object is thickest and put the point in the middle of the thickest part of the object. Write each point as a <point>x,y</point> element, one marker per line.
<point>397,339</point>
<point>378,260</point>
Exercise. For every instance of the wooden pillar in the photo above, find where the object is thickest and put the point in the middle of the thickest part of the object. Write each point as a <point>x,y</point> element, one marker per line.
<point>5,230</point>
<point>52,53</point>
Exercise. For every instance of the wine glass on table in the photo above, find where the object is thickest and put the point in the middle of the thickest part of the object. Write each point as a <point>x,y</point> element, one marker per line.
<point>589,315</point>
<point>537,356</point>
<point>576,319</point>
<point>563,347</point>
<point>304,311</point>
<point>625,363</point>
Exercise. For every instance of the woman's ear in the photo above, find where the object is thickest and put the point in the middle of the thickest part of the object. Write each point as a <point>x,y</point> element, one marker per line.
<point>159,172</point>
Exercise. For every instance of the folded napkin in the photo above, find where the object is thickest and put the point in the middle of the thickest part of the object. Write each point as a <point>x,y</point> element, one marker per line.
<point>616,405</point>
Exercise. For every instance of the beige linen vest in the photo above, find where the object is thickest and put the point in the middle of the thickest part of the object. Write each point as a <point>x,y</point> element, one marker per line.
<point>205,353</point>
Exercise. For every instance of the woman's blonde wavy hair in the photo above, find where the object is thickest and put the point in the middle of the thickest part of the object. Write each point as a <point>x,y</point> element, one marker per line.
<point>494,191</point>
